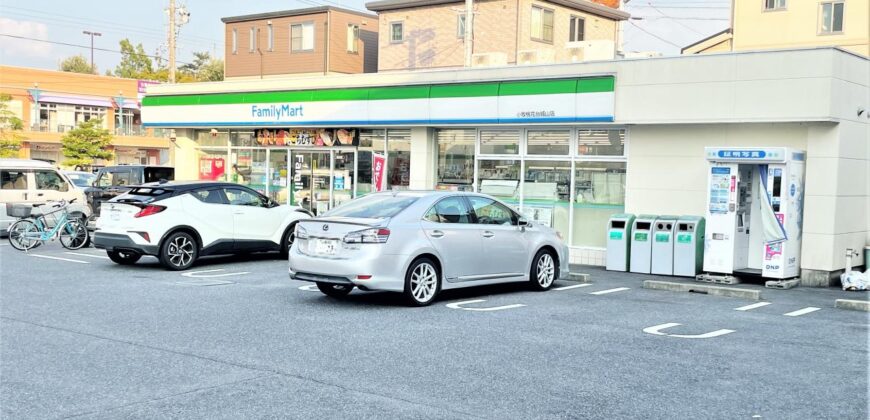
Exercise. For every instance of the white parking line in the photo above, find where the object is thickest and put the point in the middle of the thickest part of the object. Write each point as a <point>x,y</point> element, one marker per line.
<point>573,286</point>
<point>82,254</point>
<point>752,306</point>
<point>803,311</point>
<point>201,273</point>
<point>604,292</point>
<point>59,258</point>
<point>458,305</point>
<point>657,330</point>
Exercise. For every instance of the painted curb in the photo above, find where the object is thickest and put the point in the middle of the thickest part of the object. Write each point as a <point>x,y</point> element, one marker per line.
<point>852,305</point>
<point>579,277</point>
<point>703,288</point>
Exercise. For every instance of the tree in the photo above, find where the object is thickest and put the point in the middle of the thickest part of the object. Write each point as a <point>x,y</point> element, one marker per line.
<point>77,64</point>
<point>135,63</point>
<point>85,143</point>
<point>10,127</point>
<point>204,68</point>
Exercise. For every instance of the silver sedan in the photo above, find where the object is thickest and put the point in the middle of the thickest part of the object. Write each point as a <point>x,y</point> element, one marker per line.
<point>419,243</point>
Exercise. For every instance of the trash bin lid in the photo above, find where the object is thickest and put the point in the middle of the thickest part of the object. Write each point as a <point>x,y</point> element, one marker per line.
<point>690,218</point>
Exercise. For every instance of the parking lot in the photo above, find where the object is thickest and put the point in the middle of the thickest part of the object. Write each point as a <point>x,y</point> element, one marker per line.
<point>234,338</point>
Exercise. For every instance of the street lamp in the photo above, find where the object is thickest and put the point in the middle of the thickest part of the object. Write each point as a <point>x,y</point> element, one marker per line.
<point>92,34</point>
<point>35,94</point>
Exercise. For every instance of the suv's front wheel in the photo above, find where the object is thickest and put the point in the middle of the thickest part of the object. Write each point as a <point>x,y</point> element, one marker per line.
<point>179,251</point>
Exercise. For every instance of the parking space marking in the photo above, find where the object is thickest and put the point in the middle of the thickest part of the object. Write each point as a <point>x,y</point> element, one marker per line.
<point>309,288</point>
<point>458,305</point>
<point>573,286</point>
<point>81,254</point>
<point>657,330</point>
<point>59,258</point>
<point>752,306</point>
<point>604,292</point>
<point>202,273</point>
<point>803,311</point>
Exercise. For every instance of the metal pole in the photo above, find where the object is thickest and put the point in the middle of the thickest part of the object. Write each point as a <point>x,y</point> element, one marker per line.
<point>92,35</point>
<point>469,23</point>
<point>171,41</point>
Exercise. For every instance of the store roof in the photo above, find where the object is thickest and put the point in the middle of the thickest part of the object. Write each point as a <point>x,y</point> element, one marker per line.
<point>584,5</point>
<point>294,12</point>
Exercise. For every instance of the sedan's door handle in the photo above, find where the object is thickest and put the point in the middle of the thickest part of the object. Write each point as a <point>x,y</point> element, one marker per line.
<point>488,234</point>
<point>436,234</point>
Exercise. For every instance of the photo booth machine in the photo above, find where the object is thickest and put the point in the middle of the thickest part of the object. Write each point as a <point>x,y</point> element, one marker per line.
<point>754,211</point>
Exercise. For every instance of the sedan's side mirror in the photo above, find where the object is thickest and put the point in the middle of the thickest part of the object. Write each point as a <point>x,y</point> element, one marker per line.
<point>522,222</point>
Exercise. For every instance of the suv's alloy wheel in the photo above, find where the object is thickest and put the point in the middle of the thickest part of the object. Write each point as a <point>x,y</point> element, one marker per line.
<point>179,251</point>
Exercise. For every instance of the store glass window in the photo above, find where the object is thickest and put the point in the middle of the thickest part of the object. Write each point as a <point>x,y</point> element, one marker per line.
<point>600,142</point>
<point>500,178</point>
<point>548,142</point>
<point>370,141</point>
<point>399,159</point>
<point>455,159</point>
<point>206,138</point>
<point>546,193</point>
<point>499,142</point>
<point>243,138</point>
<point>599,192</point>
<point>248,167</point>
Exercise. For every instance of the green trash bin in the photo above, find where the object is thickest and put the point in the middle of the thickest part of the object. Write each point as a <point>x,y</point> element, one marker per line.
<point>689,246</point>
<point>618,239</point>
<point>641,244</point>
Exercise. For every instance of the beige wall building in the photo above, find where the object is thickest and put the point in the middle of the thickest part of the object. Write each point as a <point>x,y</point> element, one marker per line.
<point>318,40</point>
<point>781,24</point>
<point>417,34</point>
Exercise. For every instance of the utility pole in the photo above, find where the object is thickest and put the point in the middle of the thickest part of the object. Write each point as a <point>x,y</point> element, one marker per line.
<point>92,34</point>
<point>469,24</point>
<point>171,41</point>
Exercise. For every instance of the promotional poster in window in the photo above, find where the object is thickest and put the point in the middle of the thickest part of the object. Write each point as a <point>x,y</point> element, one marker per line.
<point>324,137</point>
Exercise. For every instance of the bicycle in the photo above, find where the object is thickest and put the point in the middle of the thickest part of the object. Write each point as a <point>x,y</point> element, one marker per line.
<point>33,230</point>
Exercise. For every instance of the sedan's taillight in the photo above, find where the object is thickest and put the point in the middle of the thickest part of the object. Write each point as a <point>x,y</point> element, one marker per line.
<point>301,232</point>
<point>149,210</point>
<point>368,236</point>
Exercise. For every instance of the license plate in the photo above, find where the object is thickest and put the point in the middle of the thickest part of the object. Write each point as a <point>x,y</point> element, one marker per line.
<point>326,246</point>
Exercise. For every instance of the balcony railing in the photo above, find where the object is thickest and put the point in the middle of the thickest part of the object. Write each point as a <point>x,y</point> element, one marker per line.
<point>127,130</point>
<point>131,130</point>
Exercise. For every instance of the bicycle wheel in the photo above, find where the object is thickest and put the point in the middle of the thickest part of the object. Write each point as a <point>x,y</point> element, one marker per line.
<point>24,235</point>
<point>73,235</point>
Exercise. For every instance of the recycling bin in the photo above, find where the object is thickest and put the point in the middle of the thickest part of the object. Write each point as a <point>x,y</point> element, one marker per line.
<point>640,251</point>
<point>689,246</point>
<point>618,239</point>
<point>663,245</point>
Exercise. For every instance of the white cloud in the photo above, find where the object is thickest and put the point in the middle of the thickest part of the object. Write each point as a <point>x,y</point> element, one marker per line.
<point>13,47</point>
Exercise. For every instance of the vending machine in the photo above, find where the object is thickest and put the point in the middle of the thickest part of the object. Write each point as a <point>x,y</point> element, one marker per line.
<point>754,211</point>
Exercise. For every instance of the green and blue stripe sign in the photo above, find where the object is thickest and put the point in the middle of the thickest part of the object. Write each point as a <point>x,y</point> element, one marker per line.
<point>509,102</point>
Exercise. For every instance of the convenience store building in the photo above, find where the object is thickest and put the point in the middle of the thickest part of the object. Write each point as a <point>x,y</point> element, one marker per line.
<point>568,145</point>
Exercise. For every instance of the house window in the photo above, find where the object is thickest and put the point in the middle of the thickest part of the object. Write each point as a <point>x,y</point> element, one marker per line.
<point>397,31</point>
<point>460,26</point>
<point>774,4</point>
<point>252,39</point>
<point>302,37</point>
<point>353,38</point>
<point>235,41</point>
<point>269,34</point>
<point>578,29</point>
<point>832,17</point>
<point>542,24</point>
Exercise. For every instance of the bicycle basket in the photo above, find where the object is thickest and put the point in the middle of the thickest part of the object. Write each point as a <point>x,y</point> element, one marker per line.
<point>19,210</point>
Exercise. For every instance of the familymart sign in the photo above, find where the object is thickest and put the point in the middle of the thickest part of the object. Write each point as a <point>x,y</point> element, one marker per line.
<point>509,102</point>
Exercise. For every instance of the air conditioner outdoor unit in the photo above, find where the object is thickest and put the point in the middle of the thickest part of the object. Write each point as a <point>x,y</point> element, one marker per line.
<point>526,57</point>
<point>593,50</point>
<point>488,59</point>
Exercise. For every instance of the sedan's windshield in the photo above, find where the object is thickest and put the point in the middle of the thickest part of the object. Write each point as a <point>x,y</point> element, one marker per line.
<point>374,206</point>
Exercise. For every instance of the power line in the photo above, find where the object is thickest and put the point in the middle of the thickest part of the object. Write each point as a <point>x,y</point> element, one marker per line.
<point>674,20</point>
<point>653,35</point>
<point>80,46</point>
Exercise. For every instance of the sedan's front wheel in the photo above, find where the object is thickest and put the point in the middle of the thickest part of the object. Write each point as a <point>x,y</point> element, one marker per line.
<point>422,282</point>
<point>544,271</point>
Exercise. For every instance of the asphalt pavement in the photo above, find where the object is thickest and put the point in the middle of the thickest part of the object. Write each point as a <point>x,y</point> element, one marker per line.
<point>81,337</point>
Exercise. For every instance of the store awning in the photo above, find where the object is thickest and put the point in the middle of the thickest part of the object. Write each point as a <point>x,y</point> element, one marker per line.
<point>71,99</point>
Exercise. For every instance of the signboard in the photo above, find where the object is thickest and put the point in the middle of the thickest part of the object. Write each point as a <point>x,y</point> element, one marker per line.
<point>307,137</point>
<point>588,99</point>
<point>720,189</point>
<point>211,168</point>
<point>378,165</point>
<point>760,155</point>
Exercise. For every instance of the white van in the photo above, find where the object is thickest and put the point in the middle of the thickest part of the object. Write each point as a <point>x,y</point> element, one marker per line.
<point>36,182</point>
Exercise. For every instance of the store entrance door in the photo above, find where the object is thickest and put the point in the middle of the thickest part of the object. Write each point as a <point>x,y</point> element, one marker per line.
<point>322,179</point>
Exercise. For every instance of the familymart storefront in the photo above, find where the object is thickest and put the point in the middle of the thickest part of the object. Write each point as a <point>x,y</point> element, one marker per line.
<point>548,147</point>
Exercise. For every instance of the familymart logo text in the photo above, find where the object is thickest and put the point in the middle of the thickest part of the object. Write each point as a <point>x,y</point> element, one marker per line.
<point>276,112</point>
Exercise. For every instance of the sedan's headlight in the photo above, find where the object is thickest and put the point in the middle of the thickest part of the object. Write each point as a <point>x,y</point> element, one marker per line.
<point>301,232</point>
<point>368,236</point>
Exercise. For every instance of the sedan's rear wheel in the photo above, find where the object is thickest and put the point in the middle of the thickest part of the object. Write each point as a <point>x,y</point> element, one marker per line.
<point>334,290</point>
<point>544,270</point>
<point>422,282</point>
<point>124,257</point>
<point>179,251</point>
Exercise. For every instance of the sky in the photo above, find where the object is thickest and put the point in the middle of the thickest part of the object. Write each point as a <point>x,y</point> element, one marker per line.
<point>656,25</point>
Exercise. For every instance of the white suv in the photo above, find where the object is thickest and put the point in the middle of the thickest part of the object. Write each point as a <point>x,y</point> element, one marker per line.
<point>180,221</point>
<point>25,181</point>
